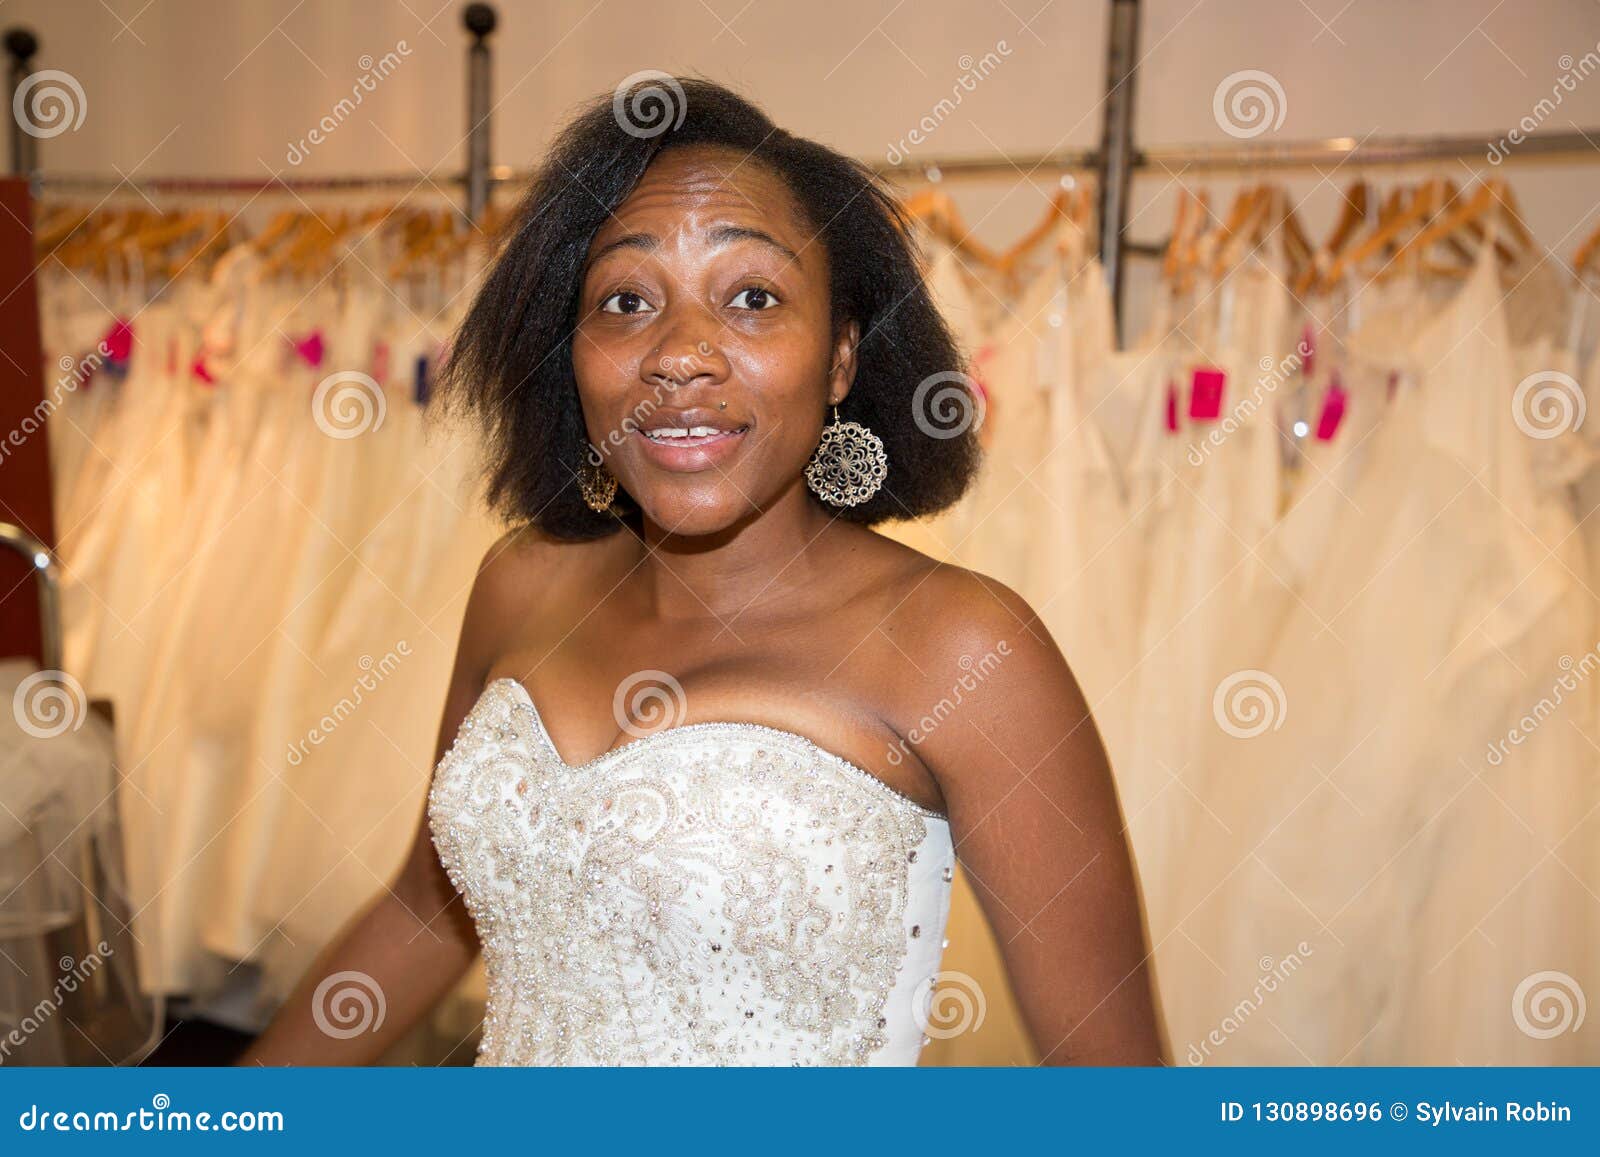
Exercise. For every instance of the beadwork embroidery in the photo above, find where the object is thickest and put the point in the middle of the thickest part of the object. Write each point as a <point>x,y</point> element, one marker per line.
<point>720,893</point>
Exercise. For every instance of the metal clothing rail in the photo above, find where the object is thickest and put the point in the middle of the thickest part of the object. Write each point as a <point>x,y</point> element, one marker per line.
<point>1115,162</point>
<point>1368,152</point>
<point>478,19</point>
<point>95,183</point>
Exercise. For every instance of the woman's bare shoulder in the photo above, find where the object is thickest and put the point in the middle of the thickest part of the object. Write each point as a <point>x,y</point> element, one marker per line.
<point>526,575</point>
<point>941,597</point>
<point>527,562</point>
<point>946,620</point>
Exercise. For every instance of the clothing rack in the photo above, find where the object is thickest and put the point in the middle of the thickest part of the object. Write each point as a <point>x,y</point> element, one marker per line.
<point>1113,163</point>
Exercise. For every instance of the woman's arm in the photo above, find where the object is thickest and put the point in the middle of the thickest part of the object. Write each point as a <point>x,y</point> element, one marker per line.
<point>411,945</point>
<point>1037,827</point>
<point>414,941</point>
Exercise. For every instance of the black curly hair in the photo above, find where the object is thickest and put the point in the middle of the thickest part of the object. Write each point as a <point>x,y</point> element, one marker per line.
<point>510,366</point>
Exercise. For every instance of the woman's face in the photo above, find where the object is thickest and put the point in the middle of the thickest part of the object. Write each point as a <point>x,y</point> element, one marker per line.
<point>706,287</point>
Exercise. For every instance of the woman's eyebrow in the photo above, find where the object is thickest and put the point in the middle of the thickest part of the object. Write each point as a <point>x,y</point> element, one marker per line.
<point>720,236</point>
<point>724,234</point>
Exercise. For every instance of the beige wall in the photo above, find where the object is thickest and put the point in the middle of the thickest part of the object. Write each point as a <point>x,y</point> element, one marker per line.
<point>197,86</point>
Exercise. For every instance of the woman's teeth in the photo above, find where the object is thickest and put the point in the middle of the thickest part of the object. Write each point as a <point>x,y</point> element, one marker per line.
<point>683,434</point>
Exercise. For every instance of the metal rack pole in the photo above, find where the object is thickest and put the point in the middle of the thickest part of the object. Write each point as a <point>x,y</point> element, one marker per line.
<point>1116,142</point>
<point>21,44</point>
<point>47,573</point>
<point>480,21</point>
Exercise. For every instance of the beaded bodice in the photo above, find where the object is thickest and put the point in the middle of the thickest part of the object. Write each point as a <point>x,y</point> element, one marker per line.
<point>715,893</point>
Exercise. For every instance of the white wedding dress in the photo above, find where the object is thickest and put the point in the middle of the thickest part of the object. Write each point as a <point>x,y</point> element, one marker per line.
<point>713,893</point>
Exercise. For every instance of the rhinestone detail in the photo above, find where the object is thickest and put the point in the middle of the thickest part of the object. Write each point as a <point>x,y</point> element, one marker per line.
<point>662,903</point>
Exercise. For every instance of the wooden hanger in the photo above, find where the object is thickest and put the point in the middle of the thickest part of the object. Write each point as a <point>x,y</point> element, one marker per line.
<point>1243,224</point>
<point>56,224</point>
<point>215,239</point>
<point>325,246</point>
<point>275,231</point>
<point>426,235</point>
<point>497,218</point>
<point>1352,216</point>
<point>1587,254</point>
<point>292,248</point>
<point>1407,210</point>
<point>1301,251</point>
<point>1493,200</point>
<point>94,247</point>
<point>1066,220</point>
<point>1279,217</point>
<point>936,210</point>
<point>1183,249</point>
<point>1059,209</point>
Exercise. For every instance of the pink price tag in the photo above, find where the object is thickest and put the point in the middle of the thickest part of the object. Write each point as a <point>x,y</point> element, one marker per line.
<point>1205,394</point>
<point>1172,407</point>
<point>1333,404</point>
<point>309,348</point>
<point>118,342</point>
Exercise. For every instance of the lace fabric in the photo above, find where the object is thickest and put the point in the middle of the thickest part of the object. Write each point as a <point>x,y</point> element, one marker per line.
<point>716,893</point>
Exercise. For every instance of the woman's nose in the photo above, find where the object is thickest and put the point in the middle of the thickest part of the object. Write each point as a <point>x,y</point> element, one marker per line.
<point>690,350</point>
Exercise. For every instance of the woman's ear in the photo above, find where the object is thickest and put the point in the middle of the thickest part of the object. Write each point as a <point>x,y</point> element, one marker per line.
<point>843,374</point>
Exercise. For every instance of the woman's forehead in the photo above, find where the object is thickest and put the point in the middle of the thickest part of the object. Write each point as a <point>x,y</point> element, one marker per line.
<point>712,196</point>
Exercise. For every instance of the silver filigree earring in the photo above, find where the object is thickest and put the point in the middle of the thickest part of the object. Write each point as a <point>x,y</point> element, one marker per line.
<point>849,464</point>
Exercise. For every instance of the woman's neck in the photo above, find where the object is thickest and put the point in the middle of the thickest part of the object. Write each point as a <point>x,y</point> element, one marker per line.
<point>769,555</point>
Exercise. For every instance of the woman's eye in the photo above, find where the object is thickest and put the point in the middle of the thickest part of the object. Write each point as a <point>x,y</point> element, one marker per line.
<point>626,302</point>
<point>758,298</point>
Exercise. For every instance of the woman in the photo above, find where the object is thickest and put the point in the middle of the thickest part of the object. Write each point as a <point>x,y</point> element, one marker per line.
<point>692,802</point>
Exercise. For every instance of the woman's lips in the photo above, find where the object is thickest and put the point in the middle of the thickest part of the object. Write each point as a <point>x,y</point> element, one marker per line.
<point>696,451</point>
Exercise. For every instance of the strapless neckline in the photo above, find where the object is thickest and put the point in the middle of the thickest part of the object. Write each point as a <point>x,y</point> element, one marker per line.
<point>690,730</point>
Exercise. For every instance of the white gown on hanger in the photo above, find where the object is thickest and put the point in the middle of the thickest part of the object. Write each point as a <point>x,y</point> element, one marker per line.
<point>1363,833</point>
<point>1216,504</point>
<point>940,536</point>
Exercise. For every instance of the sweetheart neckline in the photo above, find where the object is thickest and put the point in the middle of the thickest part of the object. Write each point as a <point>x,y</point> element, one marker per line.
<point>690,728</point>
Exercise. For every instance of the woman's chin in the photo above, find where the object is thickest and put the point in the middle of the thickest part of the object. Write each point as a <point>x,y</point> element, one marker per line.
<point>695,513</point>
